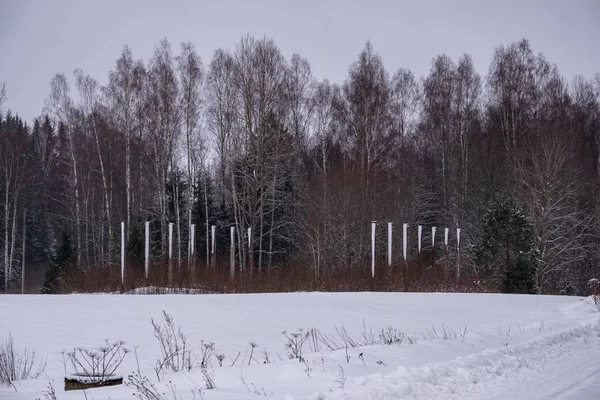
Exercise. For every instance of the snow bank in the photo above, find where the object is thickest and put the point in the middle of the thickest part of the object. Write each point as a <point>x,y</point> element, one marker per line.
<point>472,375</point>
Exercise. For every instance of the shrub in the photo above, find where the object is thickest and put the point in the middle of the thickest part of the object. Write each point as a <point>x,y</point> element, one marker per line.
<point>17,366</point>
<point>175,353</point>
<point>145,390</point>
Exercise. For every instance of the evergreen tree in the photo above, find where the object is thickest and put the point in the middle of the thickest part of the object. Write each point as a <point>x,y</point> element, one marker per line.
<point>508,251</point>
<point>219,214</point>
<point>61,255</point>
<point>137,241</point>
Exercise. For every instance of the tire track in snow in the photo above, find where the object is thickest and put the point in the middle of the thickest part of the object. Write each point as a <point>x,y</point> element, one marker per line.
<point>480,375</point>
<point>574,378</point>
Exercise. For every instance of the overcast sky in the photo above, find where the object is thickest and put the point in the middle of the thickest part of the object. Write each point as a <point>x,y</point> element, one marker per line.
<point>39,38</point>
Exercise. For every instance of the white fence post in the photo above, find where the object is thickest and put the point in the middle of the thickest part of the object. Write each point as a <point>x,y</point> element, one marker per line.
<point>420,235</point>
<point>404,239</point>
<point>122,253</point>
<point>170,241</point>
<point>389,244</point>
<point>446,255</point>
<point>192,241</point>
<point>373,225</point>
<point>192,253</point>
<point>433,229</point>
<point>213,232</point>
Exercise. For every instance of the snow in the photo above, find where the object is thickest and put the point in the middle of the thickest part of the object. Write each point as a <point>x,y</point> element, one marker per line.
<point>468,346</point>
<point>91,379</point>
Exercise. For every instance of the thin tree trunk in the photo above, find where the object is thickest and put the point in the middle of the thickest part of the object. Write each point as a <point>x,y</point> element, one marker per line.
<point>271,238</point>
<point>324,210</point>
<point>128,173</point>
<point>207,219</point>
<point>446,263</point>
<point>87,230</point>
<point>106,196</point>
<point>141,181</point>
<point>13,236</point>
<point>465,170</point>
<point>23,251</point>
<point>163,225</point>
<point>232,253</point>
<point>241,248</point>
<point>76,193</point>
<point>236,217</point>
<point>272,219</point>
<point>444,191</point>
<point>178,225</point>
<point>6,241</point>
<point>261,232</point>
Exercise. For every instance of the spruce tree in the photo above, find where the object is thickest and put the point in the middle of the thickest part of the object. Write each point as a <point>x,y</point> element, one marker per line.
<point>137,241</point>
<point>508,252</point>
<point>61,255</point>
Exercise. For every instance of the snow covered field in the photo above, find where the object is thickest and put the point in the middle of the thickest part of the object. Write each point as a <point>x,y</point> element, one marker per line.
<point>463,346</point>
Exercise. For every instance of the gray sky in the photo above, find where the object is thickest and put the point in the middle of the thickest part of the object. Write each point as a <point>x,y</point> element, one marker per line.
<point>39,38</point>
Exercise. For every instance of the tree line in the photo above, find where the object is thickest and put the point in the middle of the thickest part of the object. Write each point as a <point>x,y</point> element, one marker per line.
<point>253,140</point>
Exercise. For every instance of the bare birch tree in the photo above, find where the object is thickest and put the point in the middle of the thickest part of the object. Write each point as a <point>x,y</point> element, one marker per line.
<point>191,75</point>
<point>163,92</point>
<point>89,93</point>
<point>405,99</point>
<point>466,115</point>
<point>120,92</point>
<point>549,180</point>
<point>141,120</point>
<point>60,106</point>
<point>14,170</point>
<point>222,117</point>
<point>260,80</point>
<point>514,83</point>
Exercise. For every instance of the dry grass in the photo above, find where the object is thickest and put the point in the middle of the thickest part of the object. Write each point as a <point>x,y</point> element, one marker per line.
<point>289,278</point>
<point>18,365</point>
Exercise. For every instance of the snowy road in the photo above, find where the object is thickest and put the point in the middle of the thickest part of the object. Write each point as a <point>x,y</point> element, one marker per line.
<point>563,365</point>
<point>576,377</point>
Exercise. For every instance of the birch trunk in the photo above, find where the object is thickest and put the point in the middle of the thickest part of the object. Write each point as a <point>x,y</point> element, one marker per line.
<point>23,251</point>
<point>6,241</point>
<point>13,237</point>
<point>206,221</point>
<point>76,193</point>
<point>178,226</point>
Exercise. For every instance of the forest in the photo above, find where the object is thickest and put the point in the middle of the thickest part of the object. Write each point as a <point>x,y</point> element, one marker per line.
<point>252,140</point>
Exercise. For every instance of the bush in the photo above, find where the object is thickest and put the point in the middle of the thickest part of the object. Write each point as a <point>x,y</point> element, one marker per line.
<point>175,353</point>
<point>145,390</point>
<point>17,366</point>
